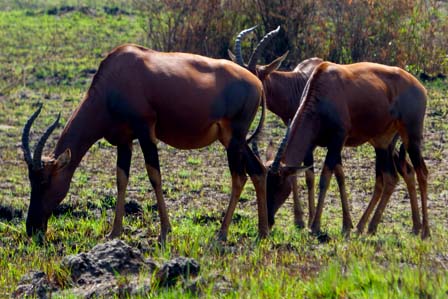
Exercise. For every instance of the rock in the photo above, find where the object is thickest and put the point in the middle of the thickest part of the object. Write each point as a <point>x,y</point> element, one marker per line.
<point>103,261</point>
<point>35,284</point>
<point>111,270</point>
<point>183,267</point>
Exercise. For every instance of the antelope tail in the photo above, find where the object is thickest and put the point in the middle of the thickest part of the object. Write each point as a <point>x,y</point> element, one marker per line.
<point>254,137</point>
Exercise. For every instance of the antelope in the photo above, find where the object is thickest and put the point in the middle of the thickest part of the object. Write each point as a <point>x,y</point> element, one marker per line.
<point>283,90</point>
<point>349,105</point>
<point>185,100</point>
<point>283,93</point>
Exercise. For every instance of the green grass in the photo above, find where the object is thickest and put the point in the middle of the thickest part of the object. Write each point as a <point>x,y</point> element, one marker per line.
<point>48,59</point>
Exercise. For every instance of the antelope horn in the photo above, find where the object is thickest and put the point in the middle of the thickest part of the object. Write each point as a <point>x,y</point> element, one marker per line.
<point>276,164</point>
<point>26,136</point>
<point>239,56</point>
<point>37,157</point>
<point>261,45</point>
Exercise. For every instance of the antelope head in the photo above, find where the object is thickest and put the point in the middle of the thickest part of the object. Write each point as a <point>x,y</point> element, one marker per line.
<point>279,178</point>
<point>261,71</point>
<point>44,174</point>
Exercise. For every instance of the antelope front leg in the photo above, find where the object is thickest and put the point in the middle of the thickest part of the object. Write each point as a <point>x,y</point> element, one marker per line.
<point>258,174</point>
<point>347,224</point>
<point>297,206</point>
<point>153,169</point>
<point>237,187</point>
<point>324,182</point>
<point>332,159</point>
<point>236,165</point>
<point>309,179</point>
<point>124,154</point>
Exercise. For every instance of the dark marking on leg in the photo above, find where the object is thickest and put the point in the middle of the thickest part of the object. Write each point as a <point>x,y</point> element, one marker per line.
<point>390,180</point>
<point>309,179</point>
<point>422,178</point>
<point>332,159</point>
<point>235,158</point>
<point>151,156</point>
<point>407,172</point>
<point>124,155</point>
<point>258,173</point>
<point>347,223</point>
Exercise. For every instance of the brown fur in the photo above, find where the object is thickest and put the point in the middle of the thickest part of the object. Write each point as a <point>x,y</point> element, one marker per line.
<point>348,105</point>
<point>185,100</point>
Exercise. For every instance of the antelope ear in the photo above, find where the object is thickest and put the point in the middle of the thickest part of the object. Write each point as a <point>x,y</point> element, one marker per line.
<point>270,151</point>
<point>231,56</point>
<point>292,170</point>
<point>274,65</point>
<point>64,159</point>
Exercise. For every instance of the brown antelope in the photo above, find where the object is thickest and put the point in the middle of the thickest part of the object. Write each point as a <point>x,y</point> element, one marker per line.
<point>185,100</point>
<point>349,105</point>
<point>283,93</point>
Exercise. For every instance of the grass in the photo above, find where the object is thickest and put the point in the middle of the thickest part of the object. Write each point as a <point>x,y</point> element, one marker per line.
<point>51,58</point>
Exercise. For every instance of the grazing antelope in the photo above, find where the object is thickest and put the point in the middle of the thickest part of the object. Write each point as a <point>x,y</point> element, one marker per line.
<point>283,91</point>
<point>187,101</point>
<point>349,105</point>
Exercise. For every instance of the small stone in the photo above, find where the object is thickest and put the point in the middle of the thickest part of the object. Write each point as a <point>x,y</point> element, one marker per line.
<point>172,270</point>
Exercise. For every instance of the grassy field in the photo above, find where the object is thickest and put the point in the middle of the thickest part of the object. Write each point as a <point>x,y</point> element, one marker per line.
<point>50,57</point>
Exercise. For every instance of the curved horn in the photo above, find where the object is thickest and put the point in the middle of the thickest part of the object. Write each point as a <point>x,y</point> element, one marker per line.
<point>37,158</point>
<point>26,136</point>
<point>276,164</point>
<point>261,45</point>
<point>239,56</point>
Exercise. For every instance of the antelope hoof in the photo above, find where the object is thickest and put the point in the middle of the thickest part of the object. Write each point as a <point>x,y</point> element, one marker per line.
<point>161,240</point>
<point>360,228</point>
<point>315,230</point>
<point>416,229</point>
<point>299,224</point>
<point>115,233</point>
<point>371,230</point>
<point>346,229</point>
<point>263,235</point>
<point>162,237</point>
<point>425,233</point>
<point>221,236</point>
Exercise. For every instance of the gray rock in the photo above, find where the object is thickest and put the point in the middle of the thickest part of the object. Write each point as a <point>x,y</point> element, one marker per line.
<point>183,267</point>
<point>111,270</point>
<point>103,262</point>
<point>34,284</point>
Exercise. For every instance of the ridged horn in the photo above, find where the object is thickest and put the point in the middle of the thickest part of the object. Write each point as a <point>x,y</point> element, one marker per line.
<point>26,136</point>
<point>239,56</point>
<point>276,164</point>
<point>37,157</point>
<point>261,45</point>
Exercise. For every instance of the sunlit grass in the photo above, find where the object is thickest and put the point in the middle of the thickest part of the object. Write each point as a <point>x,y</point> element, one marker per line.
<point>45,58</point>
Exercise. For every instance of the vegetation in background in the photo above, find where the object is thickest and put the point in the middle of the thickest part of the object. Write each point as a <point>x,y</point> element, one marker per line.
<point>406,33</point>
